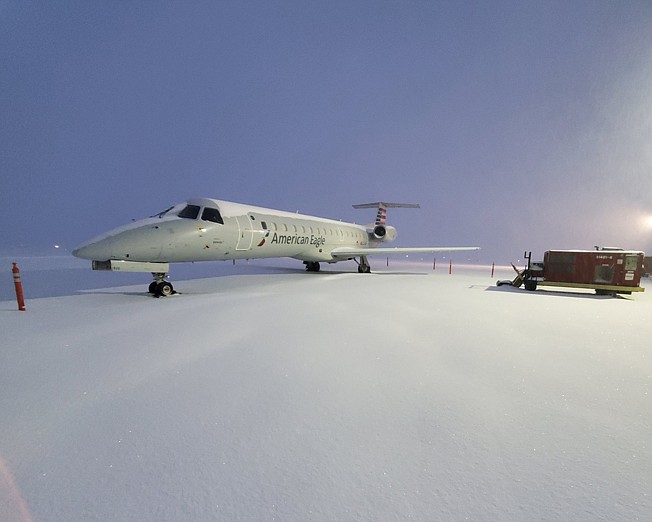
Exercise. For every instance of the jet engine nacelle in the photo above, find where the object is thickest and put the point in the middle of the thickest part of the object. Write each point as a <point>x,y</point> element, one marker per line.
<point>384,233</point>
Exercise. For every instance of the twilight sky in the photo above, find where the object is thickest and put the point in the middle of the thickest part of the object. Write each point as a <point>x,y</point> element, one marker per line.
<point>516,125</point>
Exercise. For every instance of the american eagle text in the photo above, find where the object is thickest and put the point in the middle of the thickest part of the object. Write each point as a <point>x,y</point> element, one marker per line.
<point>286,239</point>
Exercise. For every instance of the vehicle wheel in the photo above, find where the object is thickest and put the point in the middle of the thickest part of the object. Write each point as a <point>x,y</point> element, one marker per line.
<point>152,287</point>
<point>530,284</point>
<point>164,289</point>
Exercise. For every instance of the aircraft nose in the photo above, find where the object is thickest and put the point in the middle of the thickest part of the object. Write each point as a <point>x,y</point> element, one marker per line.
<point>94,251</point>
<point>79,252</point>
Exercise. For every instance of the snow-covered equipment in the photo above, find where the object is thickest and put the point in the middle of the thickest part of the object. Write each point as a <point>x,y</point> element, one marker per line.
<point>608,271</point>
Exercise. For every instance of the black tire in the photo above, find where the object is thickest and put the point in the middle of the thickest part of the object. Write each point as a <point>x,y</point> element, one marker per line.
<point>152,287</point>
<point>530,285</point>
<point>164,289</point>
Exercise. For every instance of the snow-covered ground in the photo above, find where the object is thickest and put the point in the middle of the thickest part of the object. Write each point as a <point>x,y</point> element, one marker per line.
<point>402,394</point>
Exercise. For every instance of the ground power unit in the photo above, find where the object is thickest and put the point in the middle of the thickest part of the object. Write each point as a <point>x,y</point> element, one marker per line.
<point>608,271</point>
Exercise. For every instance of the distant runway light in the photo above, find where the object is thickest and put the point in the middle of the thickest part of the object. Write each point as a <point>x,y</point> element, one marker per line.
<point>56,246</point>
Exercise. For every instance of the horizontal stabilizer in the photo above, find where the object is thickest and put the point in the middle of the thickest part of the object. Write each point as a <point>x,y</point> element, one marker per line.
<point>347,253</point>
<point>382,206</point>
<point>387,205</point>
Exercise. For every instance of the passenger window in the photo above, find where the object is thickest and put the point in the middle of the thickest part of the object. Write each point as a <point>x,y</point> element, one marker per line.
<point>264,225</point>
<point>212,214</point>
<point>190,212</point>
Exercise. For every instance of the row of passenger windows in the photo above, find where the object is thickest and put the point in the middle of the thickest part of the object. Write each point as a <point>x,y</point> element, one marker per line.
<point>303,229</point>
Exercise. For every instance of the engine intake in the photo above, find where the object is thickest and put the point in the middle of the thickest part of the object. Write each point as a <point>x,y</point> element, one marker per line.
<point>384,233</point>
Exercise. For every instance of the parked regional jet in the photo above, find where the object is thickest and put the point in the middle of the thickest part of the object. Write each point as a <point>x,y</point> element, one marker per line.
<point>211,230</point>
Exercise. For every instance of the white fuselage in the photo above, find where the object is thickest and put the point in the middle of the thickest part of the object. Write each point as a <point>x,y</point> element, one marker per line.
<point>208,229</point>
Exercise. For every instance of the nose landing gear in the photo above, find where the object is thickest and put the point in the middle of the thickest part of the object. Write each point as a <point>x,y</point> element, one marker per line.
<point>160,287</point>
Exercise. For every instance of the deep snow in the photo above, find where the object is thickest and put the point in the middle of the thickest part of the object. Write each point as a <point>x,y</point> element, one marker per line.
<point>403,394</point>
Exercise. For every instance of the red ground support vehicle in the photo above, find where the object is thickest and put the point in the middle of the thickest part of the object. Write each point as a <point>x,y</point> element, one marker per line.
<point>607,271</point>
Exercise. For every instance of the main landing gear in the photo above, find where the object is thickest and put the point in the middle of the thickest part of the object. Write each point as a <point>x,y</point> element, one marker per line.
<point>363,265</point>
<point>160,287</point>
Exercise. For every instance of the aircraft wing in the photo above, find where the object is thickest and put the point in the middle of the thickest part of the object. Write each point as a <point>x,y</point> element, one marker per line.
<point>349,252</point>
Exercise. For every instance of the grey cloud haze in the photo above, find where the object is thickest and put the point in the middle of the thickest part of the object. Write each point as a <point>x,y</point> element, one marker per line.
<point>515,125</point>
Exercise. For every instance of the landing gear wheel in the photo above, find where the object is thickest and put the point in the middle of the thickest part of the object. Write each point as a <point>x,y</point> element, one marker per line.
<point>363,266</point>
<point>312,266</point>
<point>164,289</point>
<point>160,287</point>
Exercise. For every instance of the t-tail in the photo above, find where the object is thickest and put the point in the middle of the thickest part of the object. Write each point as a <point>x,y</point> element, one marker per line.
<point>381,216</point>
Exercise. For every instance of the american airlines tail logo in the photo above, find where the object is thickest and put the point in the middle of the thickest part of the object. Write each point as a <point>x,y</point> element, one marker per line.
<point>381,216</point>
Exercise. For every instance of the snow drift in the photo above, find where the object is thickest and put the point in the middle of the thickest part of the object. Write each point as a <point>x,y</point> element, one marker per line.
<point>330,396</point>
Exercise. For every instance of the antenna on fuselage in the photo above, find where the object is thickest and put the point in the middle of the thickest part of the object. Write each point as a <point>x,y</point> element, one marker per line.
<point>382,206</point>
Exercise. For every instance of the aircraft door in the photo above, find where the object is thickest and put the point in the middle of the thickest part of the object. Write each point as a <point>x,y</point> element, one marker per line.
<point>246,233</point>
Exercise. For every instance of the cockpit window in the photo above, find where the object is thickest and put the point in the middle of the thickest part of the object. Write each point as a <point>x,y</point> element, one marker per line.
<point>212,214</point>
<point>190,212</point>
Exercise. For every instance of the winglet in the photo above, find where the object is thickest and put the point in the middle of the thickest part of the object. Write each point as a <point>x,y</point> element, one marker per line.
<point>382,206</point>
